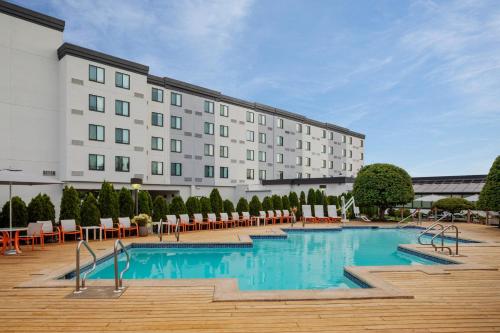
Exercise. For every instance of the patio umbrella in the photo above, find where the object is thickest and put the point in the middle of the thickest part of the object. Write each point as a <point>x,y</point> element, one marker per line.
<point>19,177</point>
<point>430,198</point>
<point>473,198</point>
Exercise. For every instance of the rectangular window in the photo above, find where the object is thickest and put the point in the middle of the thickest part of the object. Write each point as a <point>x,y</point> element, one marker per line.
<point>323,164</point>
<point>324,134</point>
<point>308,130</point>
<point>350,153</point>
<point>308,161</point>
<point>262,138</point>
<point>308,175</point>
<point>298,160</point>
<point>175,99</point>
<point>299,175</point>
<point>362,143</point>
<point>96,162</point>
<point>262,156</point>
<point>250,155</point>
<point>279,141</point>
<point>122,164</point>
<point>209,128</point>
<point>96,132</point>
<point>175,169</point>
<point>350,139</point>
<point>262,174</point>
<point>262,119</point>
<point>331,150</point>
<point>175,146</point>
<point>157,95</point>
<point>280,123</point>
<point>224,172</point>
<point>331,135</point>
<point>224,131</point>
<point>279,158</point>
<point>362,156</point>
<point>308,145</point>
<point>156,143</point>
<point>331,164</point>
<point>122,108</point>
<point>96,103</point>
<point>343,139</point>
<point>96,74</point>
<point>208,107</point>
<point>250,136</point>
<point>344,152</point>
<point>280,174</point>
<point>122,136</point>
<point>298,144</point>
<point>122,80</point>
<point>157,168</point>
<point>209,149</point>
<point>323,149</point>
<point>175,122</point>
<point>224,151</point>
<point>250,117</point>
<point>209,171</point>
<point>298,128</point>
<point>250,174</point>
<point>350,167</point>
<point>157,119</point>
<point>224,110</point>
<point>344,166</point>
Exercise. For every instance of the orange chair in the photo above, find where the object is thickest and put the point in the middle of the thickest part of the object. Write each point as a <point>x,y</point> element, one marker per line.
<point>287,218</point>
<point>124,224</point>
<point>226,222</point>
<point>279,216</point>
<point>4,238</point>
<point>33,234</point>
<point>199,222</point>
<point>107,226</point>
<point>185,223</point>
<point>246,220</point>
<point>270,217</point>
<point>48,230</point>
<point>213,222</point>
<point>69,227</point>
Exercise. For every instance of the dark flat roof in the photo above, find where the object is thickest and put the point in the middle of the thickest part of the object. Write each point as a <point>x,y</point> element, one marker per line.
<point>31,16</point>
<point>450,179</point>
<point>309,181</point>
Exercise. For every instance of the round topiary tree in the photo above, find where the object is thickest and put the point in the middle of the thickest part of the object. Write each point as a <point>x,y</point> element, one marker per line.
<point>108,201</point>
<point>90,211</point>
<point>489,198</point>
<point>70,205</point>
<point>254,207</point>
<point>177,206</point>
<point>19,213</point>
<point>285,202</point>
<point>277,203</point>
<point>193,206</point>
<point>159,208</point>
<point>228,207</point>
<point>126,203</point>
<point>206,206</point>
<point>242,206</point>
<point>267,204</point>
<point>384,186</point>
<point>452,205</point>
<point>216,202</point>
<point>143,200</point>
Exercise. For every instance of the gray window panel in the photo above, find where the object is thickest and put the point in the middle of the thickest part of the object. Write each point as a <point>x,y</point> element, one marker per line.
<point>197,135</point>
<point>198,113</point>
<point>188,133</point>
<point>138,95</point>
<point>187,111</point>
<point>198,180</point>
<point>138,122</point>
<point>188,157</point>
<point>77,81</point>
<point>188,179</point>
<point>77,112</point>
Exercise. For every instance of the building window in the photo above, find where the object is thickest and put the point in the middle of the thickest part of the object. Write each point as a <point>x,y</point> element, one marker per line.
<point>175,146</point>
<point>96,132</point>
<point>262,138</point>
<point>344,152</point>
<point>280,174</point>
<point>331,164</point>
<point>350,167</point>
<point>308,130</point>
<point>157,119</point>
<point>224,172</point>
<point>209,107</point>
<point>350,153</point>
<point>308,161</point>
<point>344,166</point>
<point>362,143</point>
<point>323,149</point>
<point>279,141</point>
<point>250,136</point>
<point>280,123</point>
<point>298,160</point>
<point>250,155</point>
<point>323,164</point>
<point>224,110</point>
<point>122,164</point>
<point>298,128</point>
<point>122,80</point>
<point>308,145</point>
<point>350,139</point>
<point>175,99</point>
<point>262,156</point>
<point>209,171</point>
<point>122,108</point>
<point>224,151</point>
<point>308,175</point>
<point>96,103</point>
<point>324,134</point>
<point>175,122</point>
<point>209,128</point>
<point>331,150</point>
<point>122,135</point>
<point>250,117</point>
<point>96,162</point>
<point>250,174</point>
<point>298,144</point>
<point>362,156</point>
<point>262,174</point>
<point>331,135</point>
<point>157,168</point>
<point>343,139</point>
<point>224,131</point>
<point>96,74</point>
<point>279,158</point>
<point>299,175</point>
<point>157,95</point>
<point>209,149</point>
<point>175,169</point>
<point>262,119</point>
<point>156,143</point>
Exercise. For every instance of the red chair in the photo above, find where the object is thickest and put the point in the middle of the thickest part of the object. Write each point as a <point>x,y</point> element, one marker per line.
<point>108,226</point>
<point>4,238</point>
<point>124,224</point>
<point>287,218</point>
<point>69,227</point>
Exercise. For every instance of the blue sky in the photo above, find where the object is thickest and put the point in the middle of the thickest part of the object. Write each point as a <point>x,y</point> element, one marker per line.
<point>420,78</point>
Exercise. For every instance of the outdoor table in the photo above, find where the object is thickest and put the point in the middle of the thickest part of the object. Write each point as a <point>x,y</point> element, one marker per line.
<point>8,232</point>
<point>94,228</point>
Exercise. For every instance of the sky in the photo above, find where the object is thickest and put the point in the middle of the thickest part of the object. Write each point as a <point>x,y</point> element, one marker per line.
<point>421,79</point>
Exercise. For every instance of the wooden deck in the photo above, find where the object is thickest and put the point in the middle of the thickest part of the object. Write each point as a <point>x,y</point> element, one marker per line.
<point>461,301</point>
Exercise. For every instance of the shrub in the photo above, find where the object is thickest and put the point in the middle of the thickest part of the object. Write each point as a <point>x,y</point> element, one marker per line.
<point>216,202</point>
<point>90,211</point>
<point>193,206</point>
<point>206,206</point>
<point>159,208</point>
<point>242,206</point>
<point>285,202</point>
<point>144,203</point>
<point>19,213</point>
<point>41,208</point>
<point>452,205</point>
<point>255,206</point>
<point>267,204</point>
<point>489,198</point>
<point>277,203</point>
<point>228,207</point>
<point>332,200</point>
<point>126,203</point>
<point>302,201</point>
<point>70,205</point>
<point>177,206</point>
<point>294,200</point>
<point>142,220</point>
<point>318,197</point>
<point>108,201</point>
<point>311,197</point>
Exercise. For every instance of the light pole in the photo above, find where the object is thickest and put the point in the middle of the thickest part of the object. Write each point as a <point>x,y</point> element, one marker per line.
<point>136,185</point>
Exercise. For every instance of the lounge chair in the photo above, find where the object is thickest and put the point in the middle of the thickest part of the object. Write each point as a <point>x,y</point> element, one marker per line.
<point>199,222</point>
<point>108,226</point>
<point>332,213</point>
<point>4,238</point>
<point>279,216</point>
<point>246,219</point>
<point>33,233</point>
<point>319,213</point>
<point>225,220</point>
<point>185,223</point>
<point>69,227</point>
<point>287,218</point>
<point>48,230</point>
<point>306,214</point>
<point>125,224</point>
<point>235,217</point>
<point>270,217</point>
<point>213,222</point>
<point>261,218</point>
<point>171,223</point>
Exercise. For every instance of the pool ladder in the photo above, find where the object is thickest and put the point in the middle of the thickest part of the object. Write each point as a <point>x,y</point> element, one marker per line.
<point>177,233</point>
<point>441,230</point>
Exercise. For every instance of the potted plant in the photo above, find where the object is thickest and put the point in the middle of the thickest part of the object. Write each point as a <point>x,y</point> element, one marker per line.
<point>144,222</point>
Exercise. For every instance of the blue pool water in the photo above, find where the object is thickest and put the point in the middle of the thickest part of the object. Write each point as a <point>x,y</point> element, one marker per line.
<point>303,260</point>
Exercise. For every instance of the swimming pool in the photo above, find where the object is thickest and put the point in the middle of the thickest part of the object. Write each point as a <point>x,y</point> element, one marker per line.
<point>299,260</point>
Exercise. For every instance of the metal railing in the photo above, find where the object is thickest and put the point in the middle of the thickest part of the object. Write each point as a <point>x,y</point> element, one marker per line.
<point>426,231</point>
<point>119,277</point>
<point>442,246</point>
<point>400,223</point>
<point>177,229</point>
<point>79,289</point>
<point>160,230</point>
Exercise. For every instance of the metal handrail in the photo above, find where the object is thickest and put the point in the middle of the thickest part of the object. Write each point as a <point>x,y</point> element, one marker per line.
<point>84,278</point>
<point>432,227</point>
<point>119,279</point>
<point>177,231</point>
<point>160,230</point>
<point>442,247</point>
<point>406,218</point>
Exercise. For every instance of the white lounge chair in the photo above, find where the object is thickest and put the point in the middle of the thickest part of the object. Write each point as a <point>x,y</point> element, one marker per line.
<point>224,218</point>
<point>199,222</point>
<point>171,223</point>
<point>235,217</point>
<point>213,222</point>
<point>278,216</point>
<point>185,223</point>
<point>332,213</point>
<point>125,224</point>
<point>48,230</point>
<point>69,227</point>
<point>34,231</point>
<point>306,214</point>
<point>287,218</point>
<point>246,219</point>
<point>108,226</point>
<point>319,214</point>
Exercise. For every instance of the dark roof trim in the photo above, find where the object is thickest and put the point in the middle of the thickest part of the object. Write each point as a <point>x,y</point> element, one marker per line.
<point>84,53</point>
<point>309,181</point>
<point>464,178</point>
<point>31,16</point>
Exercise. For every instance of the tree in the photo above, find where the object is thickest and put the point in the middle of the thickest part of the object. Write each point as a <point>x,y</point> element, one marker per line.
<point>70,205</point>
<point>150,202</point>
<point>255,206</point>
<point>311,199</point>
<point>228,207</point>
<point>277,203</point>
<point>41,208</point>
<point>318,197</point>
<point>285,202</point>
<point>144,203</point>
<point>267,204</point>
<point>216,202</point>
<point>177,206</point>
<point>108,201</point>
<point>294,200</point>
<point>126,203</point>
<point>19,213</point>
<point>489,198</point>
<point>90,211</point>
<point>206,206</point>
<point>302,201</point>
<point>453,205</point>
<point>332,200</point>
<point>382,185</point>
<point>159,208</point>
<point>242,206</point>
<point>193,206</point>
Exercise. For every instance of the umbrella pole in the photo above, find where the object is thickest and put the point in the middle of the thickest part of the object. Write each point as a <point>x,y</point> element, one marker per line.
<point>11,251</point>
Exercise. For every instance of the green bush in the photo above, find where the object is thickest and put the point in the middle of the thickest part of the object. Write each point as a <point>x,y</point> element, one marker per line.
<point>206,206</point>
<point>150,202</point>
<point>277,203</point>
<point>216,202</point>
<point>452,205</point>
<point>41,208</point>
<point>90,211</point>
<point>332,200</point>
<point>159,208</point>
<point>285,202</point>
<point>126,203</point>
<point>318,197</point>
<point>193,206</point>
<point>108,201</point>
<point>177,206</point>
<point>302,201</point>
<point>228,207</point>
<point>255,206</point>
<point>144,203</point>
<point>19,213</point>
<point>267,203</point>
<point>489,198</point>
<point>242,206</point>
<point>311,197</point>
<point>70,205</point>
